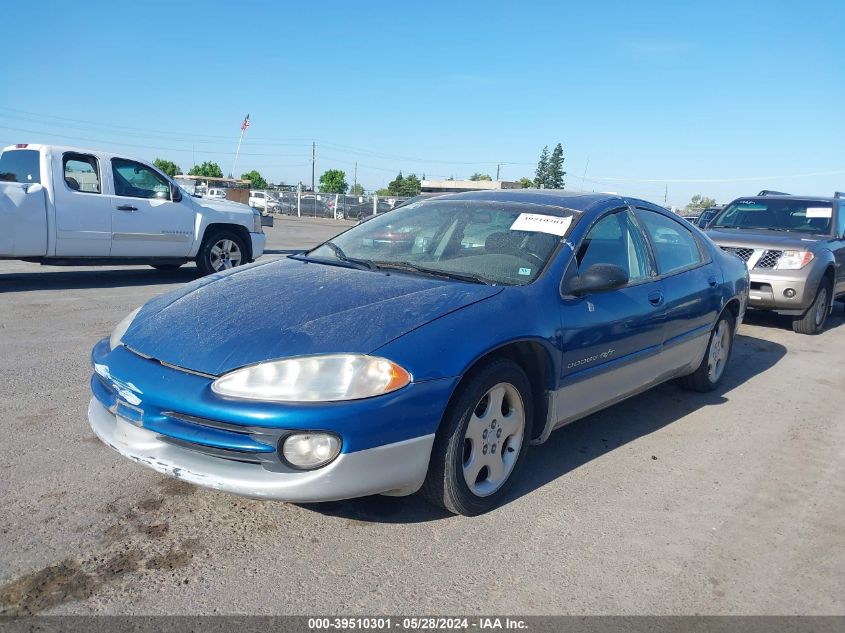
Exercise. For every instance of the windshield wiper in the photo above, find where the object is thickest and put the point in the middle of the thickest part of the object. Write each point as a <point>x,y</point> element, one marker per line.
<point>363,264</point>
<point>435,272</point>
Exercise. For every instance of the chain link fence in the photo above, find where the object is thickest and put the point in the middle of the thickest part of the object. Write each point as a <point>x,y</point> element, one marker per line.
<point>321,205</point>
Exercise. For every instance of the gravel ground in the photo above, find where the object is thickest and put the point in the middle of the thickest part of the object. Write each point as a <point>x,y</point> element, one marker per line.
<point>669,503</point>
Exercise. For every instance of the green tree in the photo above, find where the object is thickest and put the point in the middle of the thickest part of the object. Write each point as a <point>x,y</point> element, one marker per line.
<point>541,176</point>
<point>168,167</point>
<point>357,190</point>
<point>698,203</point>
<point>555,173</point>
<point>526,183</point>
<point>383,192</point>
<point>476,177</point>
<point>333,181</point>
<point>256,180</point>
<point>410,186</point>
<point>208,169</point>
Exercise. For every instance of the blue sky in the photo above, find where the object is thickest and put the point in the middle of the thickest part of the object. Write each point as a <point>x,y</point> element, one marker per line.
<point>719,98</point>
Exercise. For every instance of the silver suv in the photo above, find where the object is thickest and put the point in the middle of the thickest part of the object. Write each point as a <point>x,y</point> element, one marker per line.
<point>794,247</point>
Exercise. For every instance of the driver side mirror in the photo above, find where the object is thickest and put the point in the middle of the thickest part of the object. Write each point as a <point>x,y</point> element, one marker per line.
<point>175,194</point>
<point>597,278</point>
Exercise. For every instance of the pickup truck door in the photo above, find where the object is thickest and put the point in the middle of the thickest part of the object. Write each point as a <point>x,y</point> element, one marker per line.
<point>146,222</point>
<point>23,204</point>
<point>83,212</point>
<point>611,341</point>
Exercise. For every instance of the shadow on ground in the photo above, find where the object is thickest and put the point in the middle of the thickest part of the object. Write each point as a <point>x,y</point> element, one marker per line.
<point>94,278</point>
<point>586,439</point>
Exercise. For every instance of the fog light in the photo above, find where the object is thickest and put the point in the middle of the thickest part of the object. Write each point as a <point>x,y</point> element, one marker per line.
<point>789,293</point>
<point>310,450</point>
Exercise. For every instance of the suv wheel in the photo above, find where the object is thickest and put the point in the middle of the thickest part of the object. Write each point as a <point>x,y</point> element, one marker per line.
<point>814,319</point>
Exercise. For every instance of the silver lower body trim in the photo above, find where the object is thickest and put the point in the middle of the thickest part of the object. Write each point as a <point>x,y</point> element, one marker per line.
<point>394,469</point>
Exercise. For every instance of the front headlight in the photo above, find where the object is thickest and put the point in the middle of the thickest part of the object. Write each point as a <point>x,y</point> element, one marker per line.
<point>120,329</point>
<point>327,378</point>
<point>793,260</point>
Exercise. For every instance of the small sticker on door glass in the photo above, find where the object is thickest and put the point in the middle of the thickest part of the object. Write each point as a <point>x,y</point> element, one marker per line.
<point>819,212</point>
<point>524,271</point>
<point>538,222</point>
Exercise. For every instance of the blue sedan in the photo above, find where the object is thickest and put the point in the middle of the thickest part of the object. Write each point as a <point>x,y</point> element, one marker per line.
<point>422,350</point>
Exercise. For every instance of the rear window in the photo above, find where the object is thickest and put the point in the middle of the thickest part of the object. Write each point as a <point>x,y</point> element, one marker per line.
<point>20,165</point>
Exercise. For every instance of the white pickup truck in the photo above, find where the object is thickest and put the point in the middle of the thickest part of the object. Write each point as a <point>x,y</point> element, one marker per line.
<point>62,205</point>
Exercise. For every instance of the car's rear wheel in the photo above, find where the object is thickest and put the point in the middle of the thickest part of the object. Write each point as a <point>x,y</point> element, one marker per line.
<point>482,440</point>
<point>221,251</point>
<point>814,319</point>
<point>710,372</point>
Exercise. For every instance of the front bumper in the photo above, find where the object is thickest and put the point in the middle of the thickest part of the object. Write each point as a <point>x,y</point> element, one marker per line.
<point>768,288</point>
<point>394,469</point>
<point>259,241</point>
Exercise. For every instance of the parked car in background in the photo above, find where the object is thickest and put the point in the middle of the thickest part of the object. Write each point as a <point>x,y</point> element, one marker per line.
<point>216,194</point>
<point>708,214</point>
<point>65,205</point>
<point>794,248</point>
<point>405,357</point>
<point>692,219</point>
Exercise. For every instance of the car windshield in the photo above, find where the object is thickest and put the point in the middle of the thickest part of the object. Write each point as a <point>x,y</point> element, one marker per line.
<point>805,216</point>
<point>487,242</point>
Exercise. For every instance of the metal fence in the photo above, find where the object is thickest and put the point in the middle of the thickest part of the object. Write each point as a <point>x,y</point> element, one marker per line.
<point>322,205</point>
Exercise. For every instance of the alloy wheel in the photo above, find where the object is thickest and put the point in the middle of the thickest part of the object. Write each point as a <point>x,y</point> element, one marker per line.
<point>225,254</point>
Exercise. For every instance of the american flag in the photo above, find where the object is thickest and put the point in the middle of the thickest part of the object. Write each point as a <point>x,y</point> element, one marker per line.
<point>245,124</point>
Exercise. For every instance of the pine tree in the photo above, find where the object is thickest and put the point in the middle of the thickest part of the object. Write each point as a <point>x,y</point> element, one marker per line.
<point>542,174</point>
<point>555,169</point>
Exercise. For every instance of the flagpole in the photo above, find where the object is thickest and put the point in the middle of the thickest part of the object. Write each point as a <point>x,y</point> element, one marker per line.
<point>237,151</point>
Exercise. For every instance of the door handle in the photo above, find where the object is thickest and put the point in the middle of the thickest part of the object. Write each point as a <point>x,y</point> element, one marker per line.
<point>127,207</point>
<point>655,298</point>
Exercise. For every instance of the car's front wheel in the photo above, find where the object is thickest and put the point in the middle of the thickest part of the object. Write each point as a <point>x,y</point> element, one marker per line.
<point>814,319</point>
<point>710,372</point>
<point>221,251</point>
<point>482,439</point>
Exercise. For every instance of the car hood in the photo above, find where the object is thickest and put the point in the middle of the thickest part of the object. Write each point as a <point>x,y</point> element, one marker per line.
<point>761,238</point>
<point>290,308</point>
<point>226,206</point>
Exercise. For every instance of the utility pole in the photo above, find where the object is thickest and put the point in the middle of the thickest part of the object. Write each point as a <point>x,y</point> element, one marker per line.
<point>666,194</point>
<point>497,170</point>
<point>355,177</point>
<point>313,164</point>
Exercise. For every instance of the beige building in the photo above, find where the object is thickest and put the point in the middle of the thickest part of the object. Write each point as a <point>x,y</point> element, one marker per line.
<point>457,186</point>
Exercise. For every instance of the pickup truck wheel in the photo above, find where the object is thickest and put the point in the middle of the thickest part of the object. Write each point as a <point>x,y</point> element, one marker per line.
<point>814,319</point>
<point>481,441</point>
<point>712,368</point>
<point>166,267</point>
<point>221,251</point>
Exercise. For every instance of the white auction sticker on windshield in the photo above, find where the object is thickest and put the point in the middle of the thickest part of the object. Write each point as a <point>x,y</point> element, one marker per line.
<point>819,212</point>
<point>542,223</point>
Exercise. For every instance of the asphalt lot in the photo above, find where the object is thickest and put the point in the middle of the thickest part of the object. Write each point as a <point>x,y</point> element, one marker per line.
<point>669,503</point>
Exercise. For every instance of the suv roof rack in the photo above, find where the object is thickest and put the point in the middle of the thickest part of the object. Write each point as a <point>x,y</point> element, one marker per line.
<point>838,194</point>
<point>769,192</point>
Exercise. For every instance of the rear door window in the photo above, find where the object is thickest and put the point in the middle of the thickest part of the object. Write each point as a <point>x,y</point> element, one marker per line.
<point>81,173</point>
<point>20,165</point>
<point>675,247</point>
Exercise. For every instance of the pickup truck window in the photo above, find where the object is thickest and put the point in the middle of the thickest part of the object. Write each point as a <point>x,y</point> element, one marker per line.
<point>20,165</point>
<point>135,180</point>
<point>81,172</point>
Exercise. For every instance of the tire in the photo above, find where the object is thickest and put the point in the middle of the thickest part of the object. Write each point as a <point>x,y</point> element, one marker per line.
<point>710,372</point>
<point>221,250</point>
<point>814,319</point>
<point>473,437</point>
<point>166,267</point>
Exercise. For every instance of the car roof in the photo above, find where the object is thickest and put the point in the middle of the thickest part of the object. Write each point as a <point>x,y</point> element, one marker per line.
<point>575,200</point>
